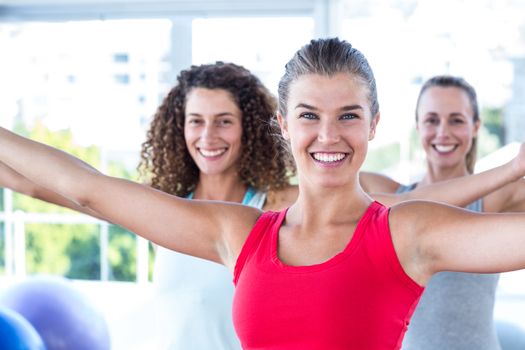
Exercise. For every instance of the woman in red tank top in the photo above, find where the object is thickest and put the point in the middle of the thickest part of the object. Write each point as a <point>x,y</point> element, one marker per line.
<point>336,270</point>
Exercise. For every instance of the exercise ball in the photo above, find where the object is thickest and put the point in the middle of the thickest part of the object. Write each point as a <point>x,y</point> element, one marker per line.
<point>510,335</point>
<point>16,333</point>
<point>62,316</point>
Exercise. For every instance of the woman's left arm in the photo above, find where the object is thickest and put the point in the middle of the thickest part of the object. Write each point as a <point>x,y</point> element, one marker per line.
<point>516,199</point>
<point>431,237</point>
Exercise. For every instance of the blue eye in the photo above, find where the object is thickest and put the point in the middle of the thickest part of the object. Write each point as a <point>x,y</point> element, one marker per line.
<point>310,116</point>
<point>349,116</point>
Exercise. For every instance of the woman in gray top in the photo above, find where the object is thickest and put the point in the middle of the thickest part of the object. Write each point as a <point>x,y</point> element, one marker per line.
<point>456,310</point>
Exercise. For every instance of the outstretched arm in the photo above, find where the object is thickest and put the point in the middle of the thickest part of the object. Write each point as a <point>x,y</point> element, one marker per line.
<point>210,230</point>
<point>18,183</point>
<point>431,237</point>
<point>516,203</point>
<point>460,191</point>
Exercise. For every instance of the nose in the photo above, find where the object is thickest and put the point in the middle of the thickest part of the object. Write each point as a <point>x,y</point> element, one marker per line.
<point>443,129</point>
<point>209,132</point>
<point>328,133</point>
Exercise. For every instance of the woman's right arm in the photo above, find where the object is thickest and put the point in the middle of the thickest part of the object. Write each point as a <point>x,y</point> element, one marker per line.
<point>16,182</point>
<point>211,230</point>
<point>459,191</point>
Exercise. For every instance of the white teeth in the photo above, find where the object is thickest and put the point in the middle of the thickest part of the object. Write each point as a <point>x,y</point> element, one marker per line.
<point>212,153</point>
<point>443,148</point>
<point>328,157</point>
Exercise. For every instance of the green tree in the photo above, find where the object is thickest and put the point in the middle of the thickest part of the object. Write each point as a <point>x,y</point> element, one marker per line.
<point>122,254</point>
<point>492,118</point>
<point>59,248</point>
<point>382,157</point>
<point>72,250</point>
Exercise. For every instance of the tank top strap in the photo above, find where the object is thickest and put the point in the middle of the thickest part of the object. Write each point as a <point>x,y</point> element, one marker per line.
<point>385,247</point>
<point>265,224</point>
<point>250,192</point>
<point>254,198</point>
<point>477,205</point>
<point>406,188</point>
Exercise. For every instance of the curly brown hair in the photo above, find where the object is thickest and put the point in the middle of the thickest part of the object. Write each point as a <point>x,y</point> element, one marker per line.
<point>264,163</point>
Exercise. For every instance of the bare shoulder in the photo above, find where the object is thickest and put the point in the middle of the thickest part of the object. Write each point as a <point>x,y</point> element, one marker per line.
<point>418,216</point>
<point>241,221</point>
<point>410,224</point>
<point>237,218</point>
<point>409,216</point>
<point>377,183</point>
<point>281,199</point>
<point>404,216</point>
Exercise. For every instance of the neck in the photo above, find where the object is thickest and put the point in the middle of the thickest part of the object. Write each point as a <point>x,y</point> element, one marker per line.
<point>221,187</point>
<point>324,206</point>
<point>436,174</point>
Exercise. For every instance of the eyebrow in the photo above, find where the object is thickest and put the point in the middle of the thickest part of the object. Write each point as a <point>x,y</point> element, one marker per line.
<point>343,109</point>
<point>453,114</point>
<point>222,114</point>
<point>457,114</point>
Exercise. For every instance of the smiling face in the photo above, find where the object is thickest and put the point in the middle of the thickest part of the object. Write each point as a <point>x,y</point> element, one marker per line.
<point>446,126</point>
<point>213,130</point>
<point>329,124</point>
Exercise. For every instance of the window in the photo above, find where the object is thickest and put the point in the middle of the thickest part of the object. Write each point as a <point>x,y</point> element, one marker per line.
<point>122,79</point>
<point>259,44</point>
<point>72,92</point>
<point>121,57</point>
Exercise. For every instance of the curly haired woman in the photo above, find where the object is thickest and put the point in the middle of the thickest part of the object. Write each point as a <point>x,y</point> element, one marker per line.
<point>210,139</point>
<point>176,154</point>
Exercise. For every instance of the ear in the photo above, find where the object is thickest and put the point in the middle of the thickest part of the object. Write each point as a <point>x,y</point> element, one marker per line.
<point>373,125</point>
<point>284,126</point>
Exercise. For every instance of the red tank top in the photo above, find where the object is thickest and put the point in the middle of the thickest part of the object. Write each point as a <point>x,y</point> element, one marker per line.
<point>359,299</point>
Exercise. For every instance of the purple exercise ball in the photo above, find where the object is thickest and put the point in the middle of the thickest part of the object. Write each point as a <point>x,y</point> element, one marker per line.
<point>62,316</point>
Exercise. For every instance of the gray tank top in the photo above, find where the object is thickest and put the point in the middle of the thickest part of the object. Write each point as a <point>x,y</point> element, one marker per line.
<point>456,310</point>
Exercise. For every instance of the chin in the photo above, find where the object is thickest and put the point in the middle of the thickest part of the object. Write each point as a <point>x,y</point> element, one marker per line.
<point>210,170</point>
